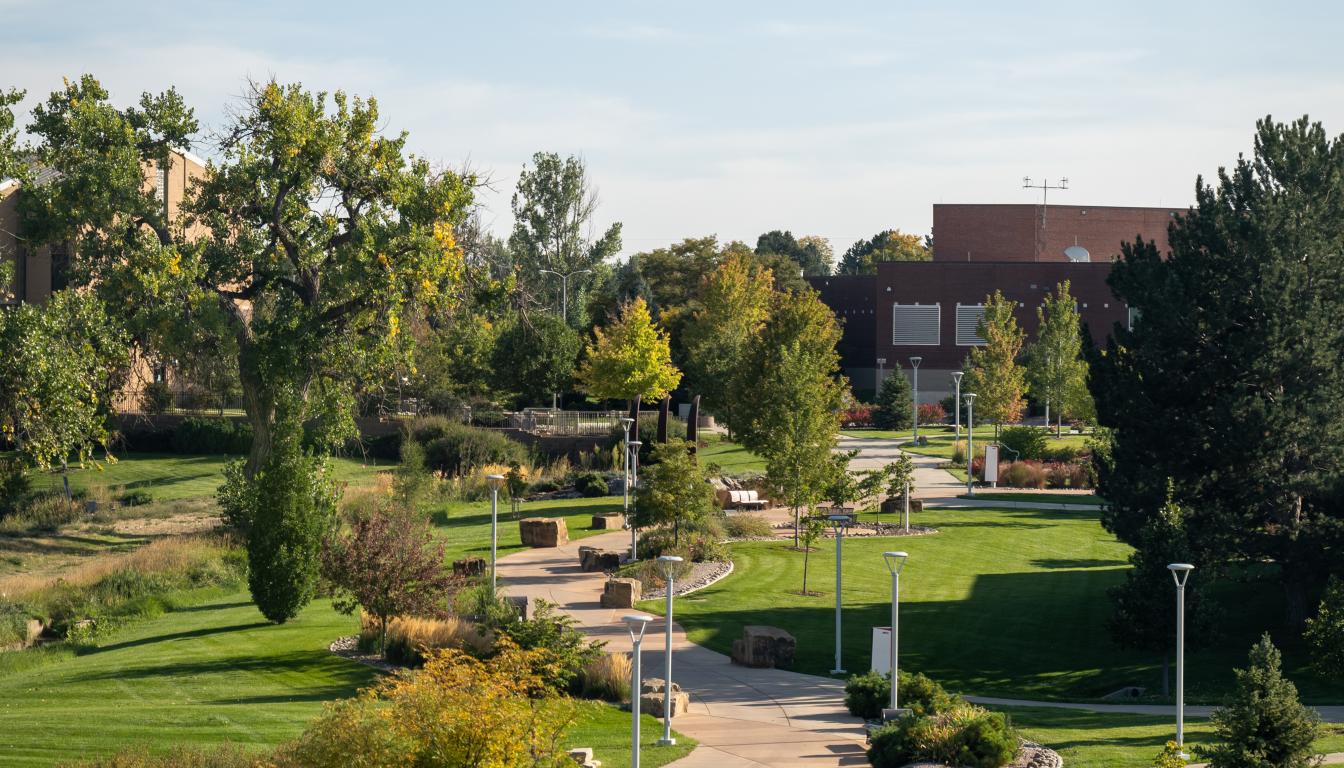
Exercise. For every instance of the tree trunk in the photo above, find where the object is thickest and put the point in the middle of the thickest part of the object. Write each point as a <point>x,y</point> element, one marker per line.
<point>795,527</point>
<point>805,558</point>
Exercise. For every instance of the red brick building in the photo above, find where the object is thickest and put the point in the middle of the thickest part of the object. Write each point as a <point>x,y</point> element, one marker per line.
<point>931,309</point>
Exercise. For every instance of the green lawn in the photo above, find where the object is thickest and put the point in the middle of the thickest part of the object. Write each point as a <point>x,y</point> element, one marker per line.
<point>1001,602</point>
<point>1038,497</point>
<point>942,439</point>
<point>731,457</point>
<point>1094,740</point>
<point>465,525</point>
<point>172,477</point>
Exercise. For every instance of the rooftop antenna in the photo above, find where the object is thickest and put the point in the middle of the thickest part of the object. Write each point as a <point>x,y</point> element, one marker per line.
<point>1045,186</point>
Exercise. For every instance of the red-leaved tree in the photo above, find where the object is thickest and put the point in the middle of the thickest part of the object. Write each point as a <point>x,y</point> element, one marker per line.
<point>388,564</point>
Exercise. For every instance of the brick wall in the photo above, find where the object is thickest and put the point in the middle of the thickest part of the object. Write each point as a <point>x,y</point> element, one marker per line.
<point>1014,232</point>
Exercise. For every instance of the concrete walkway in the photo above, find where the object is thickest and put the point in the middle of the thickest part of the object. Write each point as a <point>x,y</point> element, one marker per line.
<point>742,717</point>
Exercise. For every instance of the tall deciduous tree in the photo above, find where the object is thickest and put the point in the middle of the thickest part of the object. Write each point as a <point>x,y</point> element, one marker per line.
<point>1230,385</point>
<point>535,358</point>
<point>734,301</point>
<point>862,257</point>
<point>309,242</point>
<point>992,370</point>
<point>630,358</point>
<point>1056,369</point>
<point>790,375</point>
<point>553,208</point>
<point>810,258</point>
<point>674,490</point>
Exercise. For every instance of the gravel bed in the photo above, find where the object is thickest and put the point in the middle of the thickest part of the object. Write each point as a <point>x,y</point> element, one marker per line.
<point>701,576</point>
<point>348,648</point>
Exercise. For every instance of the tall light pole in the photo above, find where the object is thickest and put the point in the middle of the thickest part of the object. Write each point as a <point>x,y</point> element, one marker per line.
<point>914,401</point>
<point>625,469</point>
<point>970,443</point>
<point>668,564</point>
<point>495,482</point>
<point>838,525</point>
<point>564,290</point>
<point>636,624</point>
<point>1180,572</point>
<point>956,405</point>
<point>895,562</point>
<point>633,454</point>
<point>881,361</point>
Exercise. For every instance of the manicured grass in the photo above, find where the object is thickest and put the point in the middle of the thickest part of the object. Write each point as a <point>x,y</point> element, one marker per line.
<point>1039,497</point>
<point>731,457</point>
<point>465,525</point>
<point>1097,740</point>
<point>1000,602</point>
<point>171,477</point>
<point>606,728</point>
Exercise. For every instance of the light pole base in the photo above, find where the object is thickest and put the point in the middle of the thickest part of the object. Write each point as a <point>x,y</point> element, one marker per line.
<point>838,672</point>
<point>667,742</point>
<point>894,714</point>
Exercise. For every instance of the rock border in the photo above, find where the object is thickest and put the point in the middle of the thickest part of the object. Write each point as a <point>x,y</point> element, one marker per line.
<point>347,647</point>
<point>699,580</point>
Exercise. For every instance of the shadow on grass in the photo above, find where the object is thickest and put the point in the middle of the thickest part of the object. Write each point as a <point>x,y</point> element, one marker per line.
<point>213,607</point>
<point>202,632</point>
<point>1064,562</point>
<point>305,662</point>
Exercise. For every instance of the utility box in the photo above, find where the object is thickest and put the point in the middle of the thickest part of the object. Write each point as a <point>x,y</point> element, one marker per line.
<point>882,650</point>
<point>991,463</point>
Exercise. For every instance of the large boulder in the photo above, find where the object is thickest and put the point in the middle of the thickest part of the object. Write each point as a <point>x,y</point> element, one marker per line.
<point>762,646</point>
<point>608,521</point>
<point>621,593</point>
<point>592,559</point>
<point>652,694</point>
<point>469,566</point>
<point>543,532</point>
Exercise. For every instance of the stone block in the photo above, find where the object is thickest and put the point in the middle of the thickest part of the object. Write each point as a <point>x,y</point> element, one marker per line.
<point>621,593</point>
<point>608,522</point>
<point>543,532</point>
<point>762,646</point>
<point>652,703</point>
<point>522,604</point>
<point>592,559</point>
<point>469,566</point>
<point>655,685</point>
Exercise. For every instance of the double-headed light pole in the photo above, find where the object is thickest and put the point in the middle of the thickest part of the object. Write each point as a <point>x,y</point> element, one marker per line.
<point>895,562</point>
<point>1180,572</point>
<point>632,454</point>
<point>636,623</point>
<point>668,564</point>
<point>495,482</point>
<point>564,289</point>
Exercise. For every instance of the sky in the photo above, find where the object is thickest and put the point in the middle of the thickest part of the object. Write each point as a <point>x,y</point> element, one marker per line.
<point>734,118</point>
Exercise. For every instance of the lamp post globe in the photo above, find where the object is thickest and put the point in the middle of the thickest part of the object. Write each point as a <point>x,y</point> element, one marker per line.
<point>636,624</point>
<point>495,482</point>
<point>667,564</point>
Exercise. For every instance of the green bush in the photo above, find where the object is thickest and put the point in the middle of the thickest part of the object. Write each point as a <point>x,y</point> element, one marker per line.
<point>695,546</point>
<point>1022,474</point>
<point>565,651</point>
<point>590,484</point>
<point>457,449</point>
<point>1024,442</point>
<point>748,527</point>
<point>196,435</point>
<point>16,485</point>
<point>544,486</point>
<point>966,736</point>
<point>156,398</point>
<point>868,694</point>
<point>295,506</point>
<point>135,498</point>
<point>1325,632</point>
<point>43,513</point>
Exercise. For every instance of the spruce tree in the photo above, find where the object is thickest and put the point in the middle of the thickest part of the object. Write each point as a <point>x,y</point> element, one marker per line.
<point>1263,725</point>
<point>894,403</point>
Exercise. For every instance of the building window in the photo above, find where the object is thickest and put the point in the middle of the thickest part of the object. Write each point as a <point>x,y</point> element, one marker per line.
<point>915,325</point>
<point>968,325</point>
<point>161,184</point>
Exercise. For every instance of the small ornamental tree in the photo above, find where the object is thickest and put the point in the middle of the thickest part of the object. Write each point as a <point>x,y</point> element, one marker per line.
<point>674,489</point>
<point>389,564</point>
<point>992,370</point>
<point>630,358</point>
<point>1325,632</point>
<point>894,403</point>
<point>1263,724</point>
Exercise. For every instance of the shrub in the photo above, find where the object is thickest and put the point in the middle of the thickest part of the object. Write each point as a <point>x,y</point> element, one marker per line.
<point>295,504</point>
<point>607,677</point>
<point>749,527</point>
<point>409,640</point>
<point>1022,474</point>
<point>695,546</point>
<point>389,564</point>
<point>16,485</point>
<point>135,498</point>
<point>458,710</point>
<point>932,413</point>
<point>590,484</point>
<point>560,650</point>
<point>44,513</point>
<point>894,401</point>
<point>868,694</point>
<point>1325,632</point>
<point>1170,757</point>
<point>965,735</point>
<point>1021,443</point>
<point>1064,454</point>
<point>1077,474</point>
<point>545,486</point>
<point>1263,723</point>
<point>195,435</point>
<point>959,452</point>
<point>458,449</point>
<point>857,415</point>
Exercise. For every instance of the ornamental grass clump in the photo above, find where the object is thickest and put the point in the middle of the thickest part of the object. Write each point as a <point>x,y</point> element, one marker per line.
<point>607,677</point>
<point>410,639</point>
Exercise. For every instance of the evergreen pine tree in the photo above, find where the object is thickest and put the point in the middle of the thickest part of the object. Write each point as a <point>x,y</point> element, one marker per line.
<point>894,403</point>
<point>1263,725</point>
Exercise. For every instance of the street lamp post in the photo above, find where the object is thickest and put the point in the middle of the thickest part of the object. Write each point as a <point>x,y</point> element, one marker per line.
<point>495,482</point>
<point>564,289</point>
<point>636,624</point>
<point>1180,572</point>
<point>895,562</point>
<point>881,361</point>
<point>914,401</point>
<point>668,564</point>
<point>956,405</point>
<point>633,454</point>
<point>838,525</point>
<point>625,469</point>
<point>970,444</point>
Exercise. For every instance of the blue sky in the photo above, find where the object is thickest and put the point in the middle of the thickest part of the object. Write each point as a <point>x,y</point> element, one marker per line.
<point>835,119</point>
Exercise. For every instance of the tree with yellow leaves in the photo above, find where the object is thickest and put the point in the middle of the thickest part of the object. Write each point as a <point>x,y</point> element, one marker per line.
<point>631,358</point>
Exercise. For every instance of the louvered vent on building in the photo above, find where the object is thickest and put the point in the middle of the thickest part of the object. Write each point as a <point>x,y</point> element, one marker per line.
<point>968,324</point>
<point>915,325</point>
